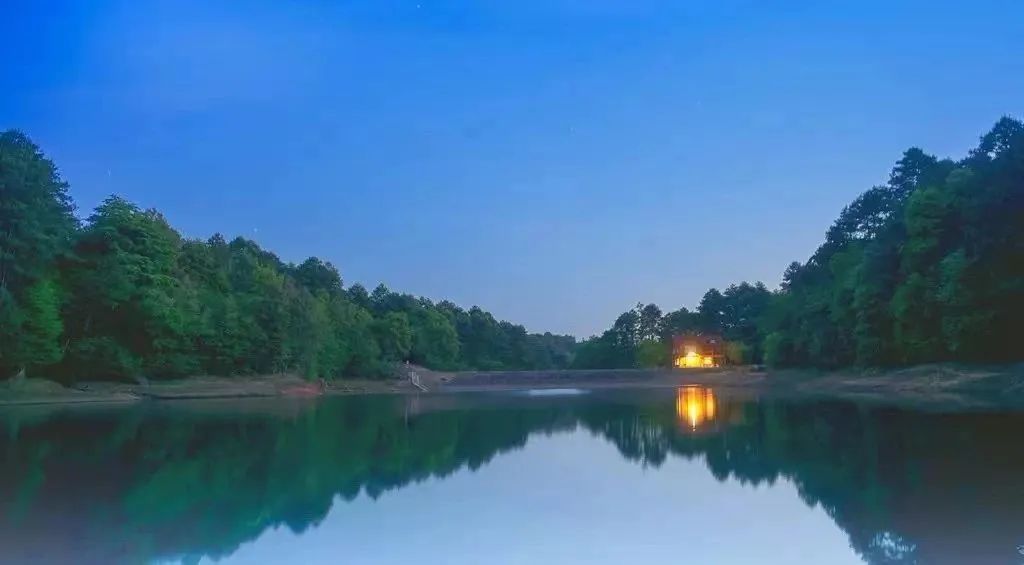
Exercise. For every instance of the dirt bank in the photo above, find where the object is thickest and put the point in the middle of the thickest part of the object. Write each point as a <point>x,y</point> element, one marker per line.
<point>929,385</point>
<point>37,391</point>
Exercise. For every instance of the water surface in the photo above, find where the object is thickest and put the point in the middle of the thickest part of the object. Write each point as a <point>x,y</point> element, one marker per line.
<point>694,474</point>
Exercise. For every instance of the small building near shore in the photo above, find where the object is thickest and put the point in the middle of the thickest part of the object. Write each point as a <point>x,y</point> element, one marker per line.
<point>694,351</point>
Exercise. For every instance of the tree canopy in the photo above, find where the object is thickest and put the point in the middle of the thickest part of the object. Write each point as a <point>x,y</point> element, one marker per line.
<point>125,296</point>
<point>928,267</point>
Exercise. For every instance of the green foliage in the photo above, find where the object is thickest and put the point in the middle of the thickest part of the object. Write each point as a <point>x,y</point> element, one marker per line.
<point>598,352</point>
<point>652,353</point>
<point>737,353</point>
<point>36,226</point>
<point>394,334</point>
<point>489,344</point>
<point>642,337</point>
<point>777,349</point>
<point>927,268</point>
<point>125,297</point>
<point>679,322</point>
<point>125,294</point>
<point>735,315</point>
<point>36,222</point>
<point>435,342</point>
<point>549,351</point>
<point>618,347</point>
<point>42,327</point>
<point>11,321</point>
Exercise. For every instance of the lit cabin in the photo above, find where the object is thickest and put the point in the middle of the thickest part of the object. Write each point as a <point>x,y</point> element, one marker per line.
<point>692,351</point>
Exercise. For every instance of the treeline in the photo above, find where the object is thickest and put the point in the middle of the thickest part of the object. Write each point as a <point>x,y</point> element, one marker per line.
<point>928,267</point>
<point>123,295</point>
<point>641,337</point>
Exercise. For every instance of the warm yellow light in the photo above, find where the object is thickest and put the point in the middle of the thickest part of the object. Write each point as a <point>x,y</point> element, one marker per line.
<point>695,405</point>
<point>692,359</point>
<point>693,412</point>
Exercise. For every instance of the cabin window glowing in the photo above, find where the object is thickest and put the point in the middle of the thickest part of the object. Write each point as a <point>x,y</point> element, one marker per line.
<point>696,351</point>
<point>693,359</point>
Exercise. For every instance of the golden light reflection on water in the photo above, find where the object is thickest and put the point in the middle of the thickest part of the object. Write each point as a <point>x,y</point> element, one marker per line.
<point>695,405</point>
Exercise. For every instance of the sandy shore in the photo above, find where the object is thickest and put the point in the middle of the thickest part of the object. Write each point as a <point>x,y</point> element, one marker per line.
<point>929,385</point>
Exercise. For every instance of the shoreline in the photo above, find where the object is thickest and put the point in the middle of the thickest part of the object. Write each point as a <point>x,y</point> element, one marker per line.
<point>922,386</point>
<point>933,386</point>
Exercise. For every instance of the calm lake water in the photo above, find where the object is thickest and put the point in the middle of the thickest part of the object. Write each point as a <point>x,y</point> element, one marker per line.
<point>691,475</point>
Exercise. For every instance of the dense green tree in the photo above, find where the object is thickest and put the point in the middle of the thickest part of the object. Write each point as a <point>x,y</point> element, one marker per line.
<point>125,317</point>
<point>649,325</point>
<point>652,353</point>
<point>358,295</point>
<point>30,331</point>
<point>36,227</point>
<point>679,322</point>
<point>711,310</point>
<point>36,221</point>
<point>318,276</point>
<point>928,267</point>
<point>42,327</point>
<point>126,297</point>
<point>597,352</point>
<point>550,351</point>
<point>435,342</point>
<point>743,305</point>
<point>394,334</point>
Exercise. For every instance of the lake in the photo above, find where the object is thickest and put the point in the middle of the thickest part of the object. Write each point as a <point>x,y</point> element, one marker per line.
<point>688,475</point>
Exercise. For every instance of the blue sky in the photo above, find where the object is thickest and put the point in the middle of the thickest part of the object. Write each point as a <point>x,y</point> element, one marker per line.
<point>554,161</point>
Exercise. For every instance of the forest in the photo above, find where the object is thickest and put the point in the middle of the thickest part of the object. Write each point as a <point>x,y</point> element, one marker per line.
<point>928,267</point>
<point>122,295</point>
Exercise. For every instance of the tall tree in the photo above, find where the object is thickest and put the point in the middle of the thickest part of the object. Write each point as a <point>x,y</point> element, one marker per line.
<point>125,319</point>
<point>36,225</point>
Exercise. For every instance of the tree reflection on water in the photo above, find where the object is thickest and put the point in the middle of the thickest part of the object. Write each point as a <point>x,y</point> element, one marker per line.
<point>188,479</point>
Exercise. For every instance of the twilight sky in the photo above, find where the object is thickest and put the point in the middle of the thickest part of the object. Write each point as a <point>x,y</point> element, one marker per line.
<point>554,161</point>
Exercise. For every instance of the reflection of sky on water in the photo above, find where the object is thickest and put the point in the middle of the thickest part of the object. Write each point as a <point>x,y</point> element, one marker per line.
<point>610,476</point>
<point>555,392</point>
<point>566,498</point>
